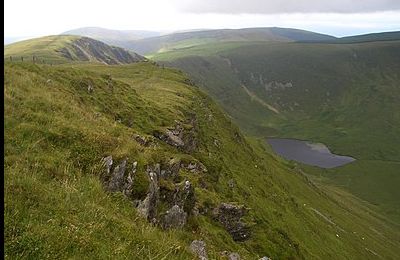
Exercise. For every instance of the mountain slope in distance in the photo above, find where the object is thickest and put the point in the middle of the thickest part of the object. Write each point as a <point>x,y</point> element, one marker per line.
<point>188,39</point>
<point>120,38</point>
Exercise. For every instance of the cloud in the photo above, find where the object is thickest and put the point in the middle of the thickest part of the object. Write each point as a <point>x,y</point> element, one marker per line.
<point>286,6</point>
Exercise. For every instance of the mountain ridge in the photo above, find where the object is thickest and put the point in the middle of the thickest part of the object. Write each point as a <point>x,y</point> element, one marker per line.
<point>65,48</point>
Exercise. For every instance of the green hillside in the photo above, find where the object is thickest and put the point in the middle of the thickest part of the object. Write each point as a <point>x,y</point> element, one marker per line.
<point>344,95</point>
<point>67,48</point>
<point>171,147</point>
<point>176,41</point>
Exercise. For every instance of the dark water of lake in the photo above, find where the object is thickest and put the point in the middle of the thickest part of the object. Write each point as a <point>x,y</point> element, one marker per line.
<point>315,154</point>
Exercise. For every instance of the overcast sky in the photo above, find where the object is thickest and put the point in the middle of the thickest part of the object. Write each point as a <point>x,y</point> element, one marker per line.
<point>335,17</point>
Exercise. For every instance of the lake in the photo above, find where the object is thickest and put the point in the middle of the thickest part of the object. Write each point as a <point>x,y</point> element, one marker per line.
<point>316,154</point>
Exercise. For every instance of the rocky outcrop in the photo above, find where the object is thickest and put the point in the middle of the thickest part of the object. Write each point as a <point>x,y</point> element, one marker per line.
<point>265,258</point>
<point>198,247</point>
<point>178,195</point>
<point>229,216</point>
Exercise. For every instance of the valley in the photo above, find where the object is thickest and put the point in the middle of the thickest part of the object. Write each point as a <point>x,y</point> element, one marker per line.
<point>343,95</point>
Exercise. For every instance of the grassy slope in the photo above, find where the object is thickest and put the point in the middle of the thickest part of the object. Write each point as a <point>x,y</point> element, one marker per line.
<point>344,95</point>
<point>56,133</point>
<point>45,48</point>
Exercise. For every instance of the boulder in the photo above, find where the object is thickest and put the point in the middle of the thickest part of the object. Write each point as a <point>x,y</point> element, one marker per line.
<point>229,216</point>
<point>198,247</point>
<point>175,217</point>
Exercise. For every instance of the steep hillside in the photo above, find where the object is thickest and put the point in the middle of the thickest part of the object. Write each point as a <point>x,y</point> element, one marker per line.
<point>120,38</point>
<point>133,161</point>
<point>189,39</point>
<point>61,49</point>
<point>344,95</point>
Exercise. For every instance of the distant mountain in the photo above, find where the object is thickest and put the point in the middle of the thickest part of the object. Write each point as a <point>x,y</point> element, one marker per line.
<point>193,38</point>
<point>120,38</point>
<point>67,48</point>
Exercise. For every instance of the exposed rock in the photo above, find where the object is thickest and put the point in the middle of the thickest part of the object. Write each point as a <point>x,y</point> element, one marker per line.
<point>107,163</point>
<point>143,140</point>
<point>234,256</point>
<point>229,216</point>
<point>148,207</point>
<point>170,138</point>
<point>265,258</point>
<point>174,139</point>
<point>90,88</point>
<point>180,137</point>
<point>185,197</point>
<point>194,167</point>
<point>128,185</point>
<point>231,183</point>
<point>175,218</point>
<point>198,247</point>
<point>117,179</point>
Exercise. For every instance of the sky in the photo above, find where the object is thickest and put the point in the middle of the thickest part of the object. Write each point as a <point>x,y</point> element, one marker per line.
<point>28,18</point>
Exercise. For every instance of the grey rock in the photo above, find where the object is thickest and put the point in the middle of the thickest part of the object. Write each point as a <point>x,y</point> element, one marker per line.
<point>194,167</point>
<point>198,247</point>
<point>143,141</point>
<point>175,218</point>
<point>174,139</point>
<point>179,137</point>
<point>117,178</point>
<point>265,258</point>
<point>148,207</point>
<point>185,197</point>
<point>90,88</point>
<point>231,183</point>
<point>229,216</point>
<point>128,184</point>
<point>107,163</point>
<point>234,256</point>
